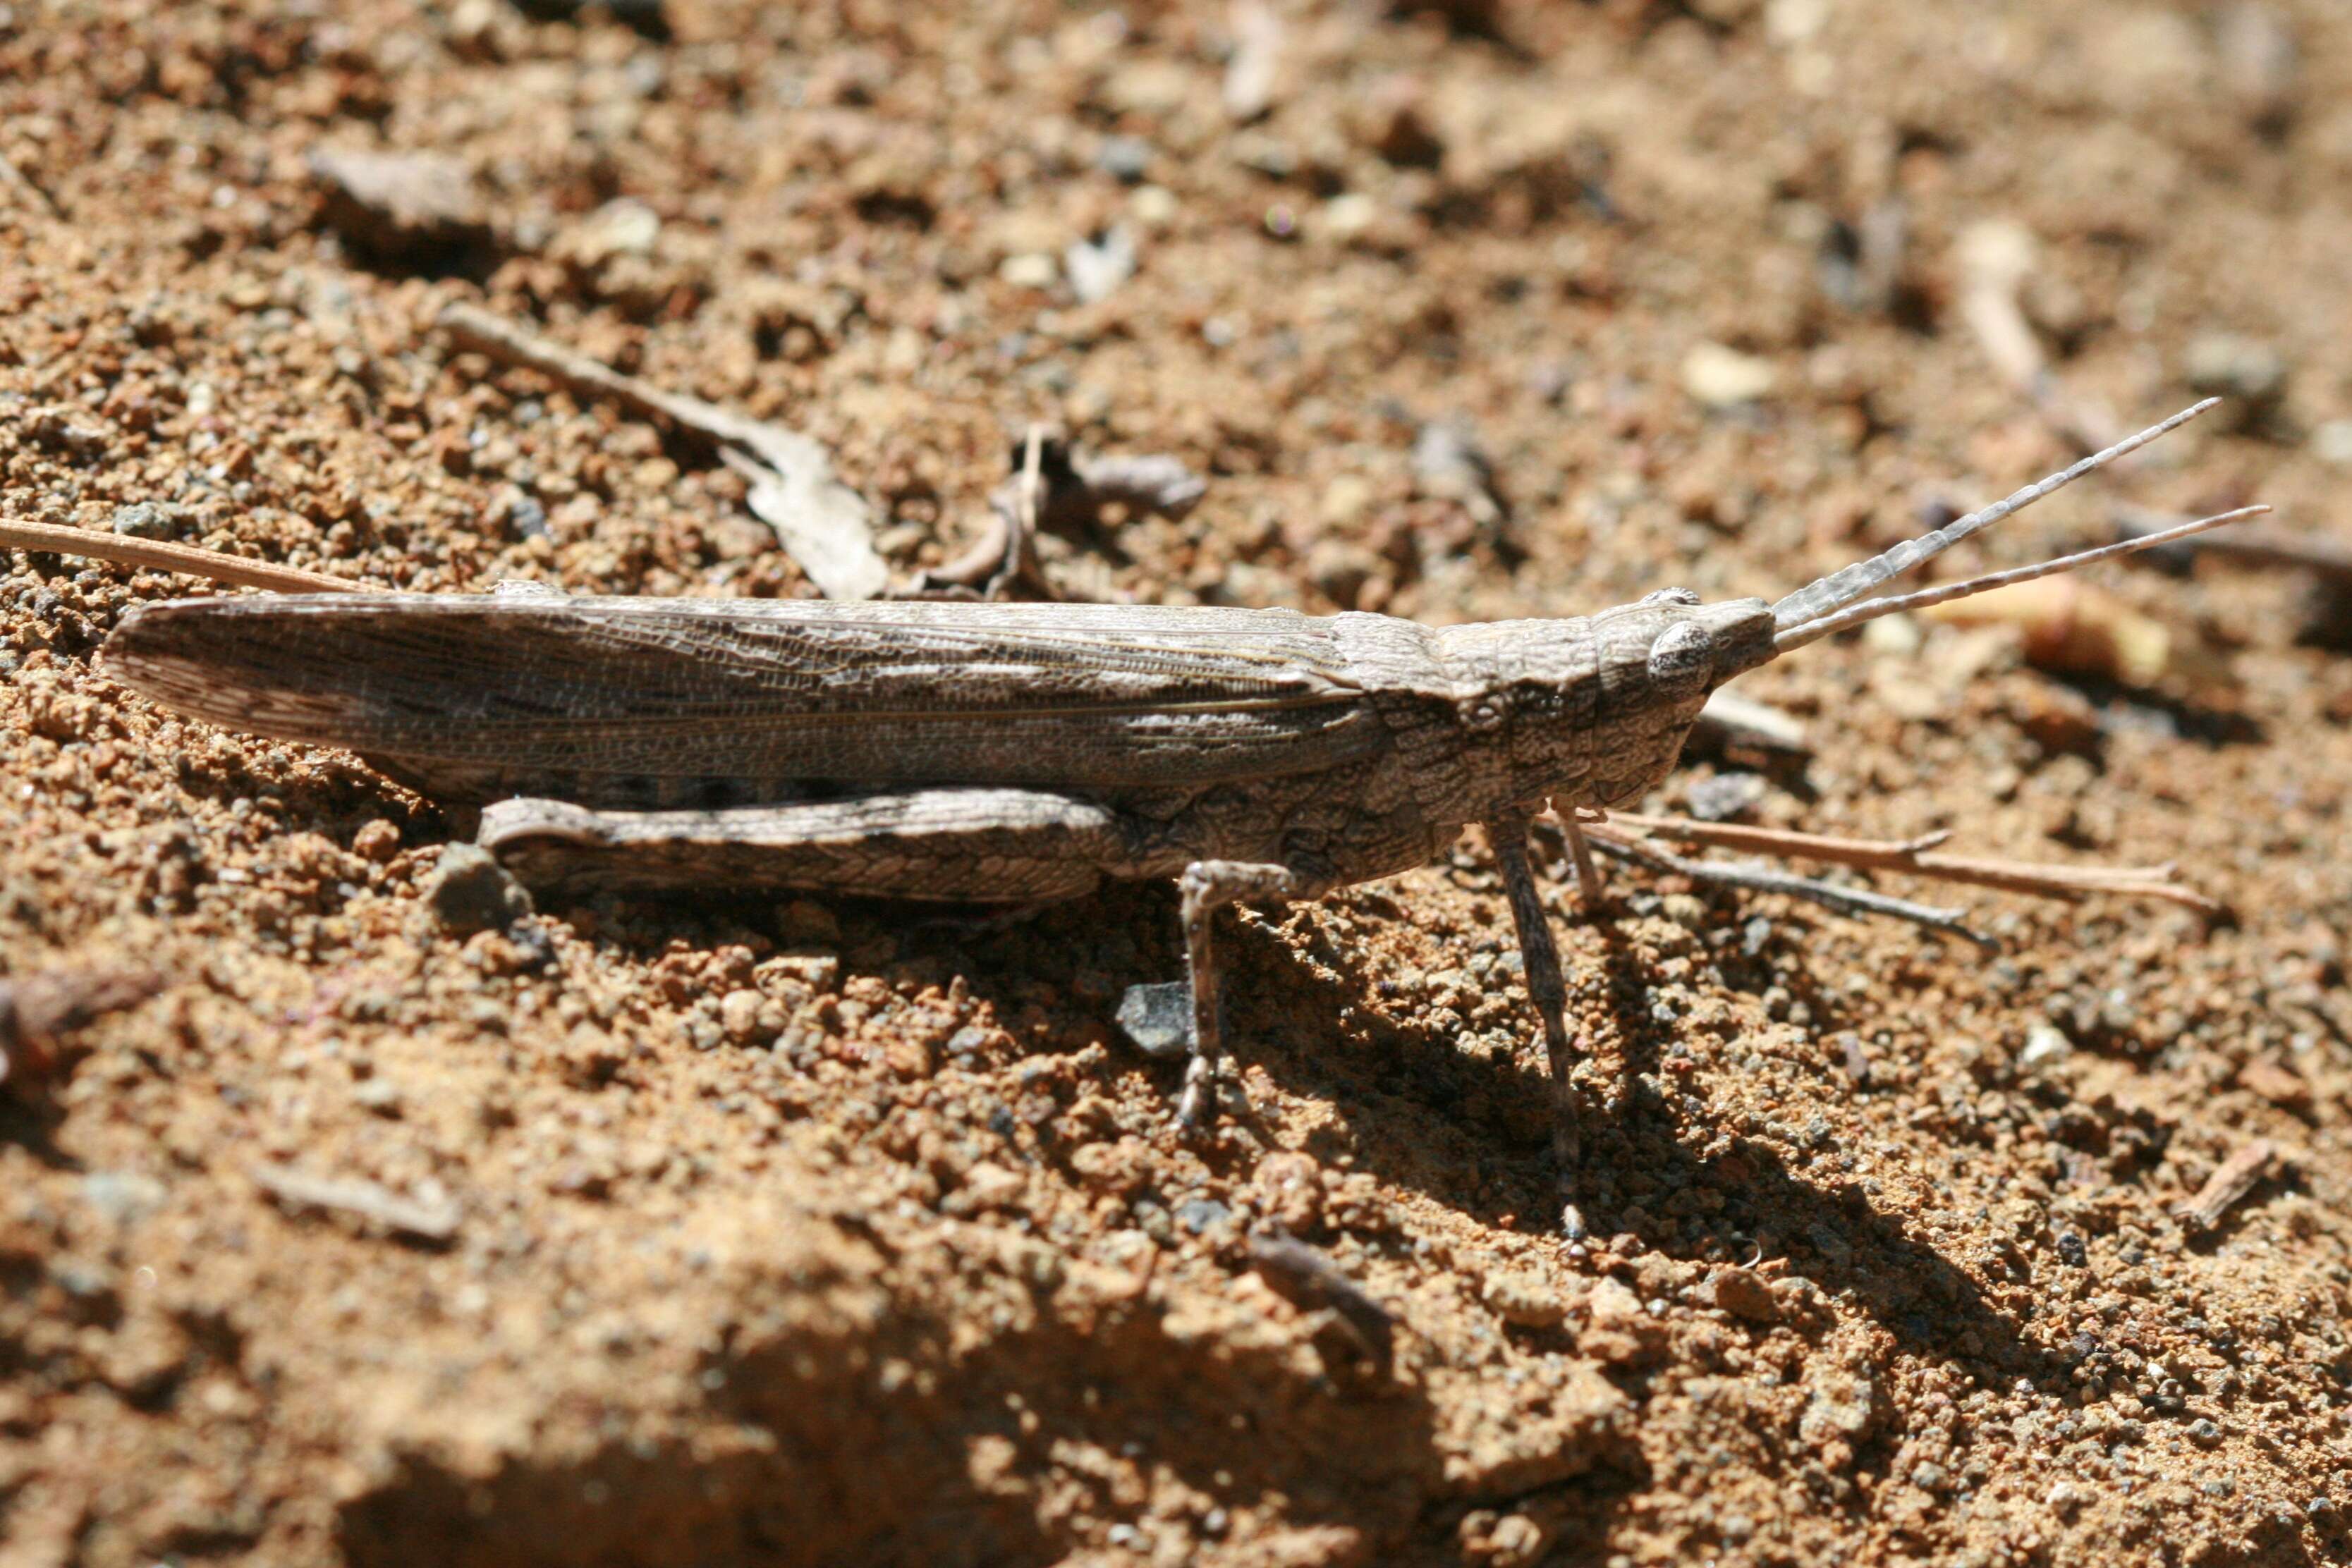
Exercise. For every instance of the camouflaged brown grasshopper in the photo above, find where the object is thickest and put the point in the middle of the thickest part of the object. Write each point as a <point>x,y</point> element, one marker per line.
<point>1011,753</point>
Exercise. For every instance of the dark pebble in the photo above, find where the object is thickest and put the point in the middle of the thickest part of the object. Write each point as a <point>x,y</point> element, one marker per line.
<point>469,892</point>
<point>1157,1018</point>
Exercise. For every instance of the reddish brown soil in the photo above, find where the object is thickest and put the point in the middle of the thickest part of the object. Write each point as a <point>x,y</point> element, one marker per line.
<point>899,1260</point>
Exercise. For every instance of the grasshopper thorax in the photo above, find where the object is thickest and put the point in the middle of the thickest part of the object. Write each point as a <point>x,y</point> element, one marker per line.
<point>1590,710</point>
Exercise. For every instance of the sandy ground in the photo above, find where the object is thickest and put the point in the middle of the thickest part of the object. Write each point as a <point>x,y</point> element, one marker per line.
<point>748,1231</point>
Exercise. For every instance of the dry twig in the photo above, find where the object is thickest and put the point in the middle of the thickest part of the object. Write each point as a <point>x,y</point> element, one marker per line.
<point>1256,61</point>
<point>1758,878</point>
<point>35,1009</point>
<point>822,523</point>
<point>1308,1273</point>
<point>1996,259</point>
<point>1917,857</point>
<point>425,1221</point>
<point>1069,489</point>
<point>158,555</point>
<point>2229,1183</point>
<point>1732,719</point>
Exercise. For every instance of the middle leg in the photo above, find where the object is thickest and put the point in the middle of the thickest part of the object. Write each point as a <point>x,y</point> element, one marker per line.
<point>1548,991</point>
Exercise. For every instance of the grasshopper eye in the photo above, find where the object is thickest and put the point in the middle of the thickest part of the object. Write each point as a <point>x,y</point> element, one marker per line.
<point>1680,661</point>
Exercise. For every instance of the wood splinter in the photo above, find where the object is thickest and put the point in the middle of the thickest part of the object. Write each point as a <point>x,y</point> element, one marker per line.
<point>2232,1180</point>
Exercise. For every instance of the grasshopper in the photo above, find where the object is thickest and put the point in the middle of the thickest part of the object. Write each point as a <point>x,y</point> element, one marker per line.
<point>1015,753</point>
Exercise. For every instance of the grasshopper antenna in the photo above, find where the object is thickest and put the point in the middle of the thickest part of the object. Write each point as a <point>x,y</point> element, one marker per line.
<point>1796,636</point>
<point>1817,599</point>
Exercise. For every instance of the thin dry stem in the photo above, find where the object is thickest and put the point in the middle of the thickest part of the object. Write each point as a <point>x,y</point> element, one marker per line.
<point>1758,878</point>
<point>1020,542</point>
<point>158,555</point>
<point>2227,1186</point>
<point>1916,857</point>
<point>822,523</point>
<point>426,1221</point>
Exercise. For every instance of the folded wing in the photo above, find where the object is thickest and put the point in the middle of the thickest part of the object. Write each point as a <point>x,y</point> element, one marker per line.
<point>512,688</point>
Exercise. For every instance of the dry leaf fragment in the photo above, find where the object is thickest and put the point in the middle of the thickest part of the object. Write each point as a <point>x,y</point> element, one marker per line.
<point>2077,628</point>
<point>822,523</point>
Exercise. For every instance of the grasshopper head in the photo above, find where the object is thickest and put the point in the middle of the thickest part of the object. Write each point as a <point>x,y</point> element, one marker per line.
<point>1658,658</point>
<point>1683,647</point>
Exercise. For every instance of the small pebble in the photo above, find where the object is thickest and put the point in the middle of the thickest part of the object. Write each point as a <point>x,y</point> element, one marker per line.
<point>1744,1293</point>
<point>1724,797</point>
<point>2247,370</point>
<point>2045,1046</point>
<point>124,1197</point>
<point>470,891</point>
<point>1720,376</point>
<point>1525,1298</point>
<point>2332,442</point>
<point>1154,207</point>
<point>378,842</point>
<point>1032,269</point>
<point>1127,158</point>
<point>1197,1214</point>
<point>818,970</point>
<point>1349,214</point>
<point>1158,1018</point>
<point>412,209</point>
<point>146,520</point>
<point>624,226</point>
<point>1096,267</point>
<point>739,1015</point>
<point>992,1185</point>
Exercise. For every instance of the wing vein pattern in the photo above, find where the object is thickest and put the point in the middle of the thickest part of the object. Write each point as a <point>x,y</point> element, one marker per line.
<point>912,693</point>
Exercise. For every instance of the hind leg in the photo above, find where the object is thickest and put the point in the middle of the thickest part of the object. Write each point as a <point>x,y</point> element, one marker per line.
<point>962,846</point>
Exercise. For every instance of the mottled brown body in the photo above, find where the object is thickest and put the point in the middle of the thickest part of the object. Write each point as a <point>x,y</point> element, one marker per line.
<point>1011,753</point>
<point>975,753</point>
<point>1343,748</point>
